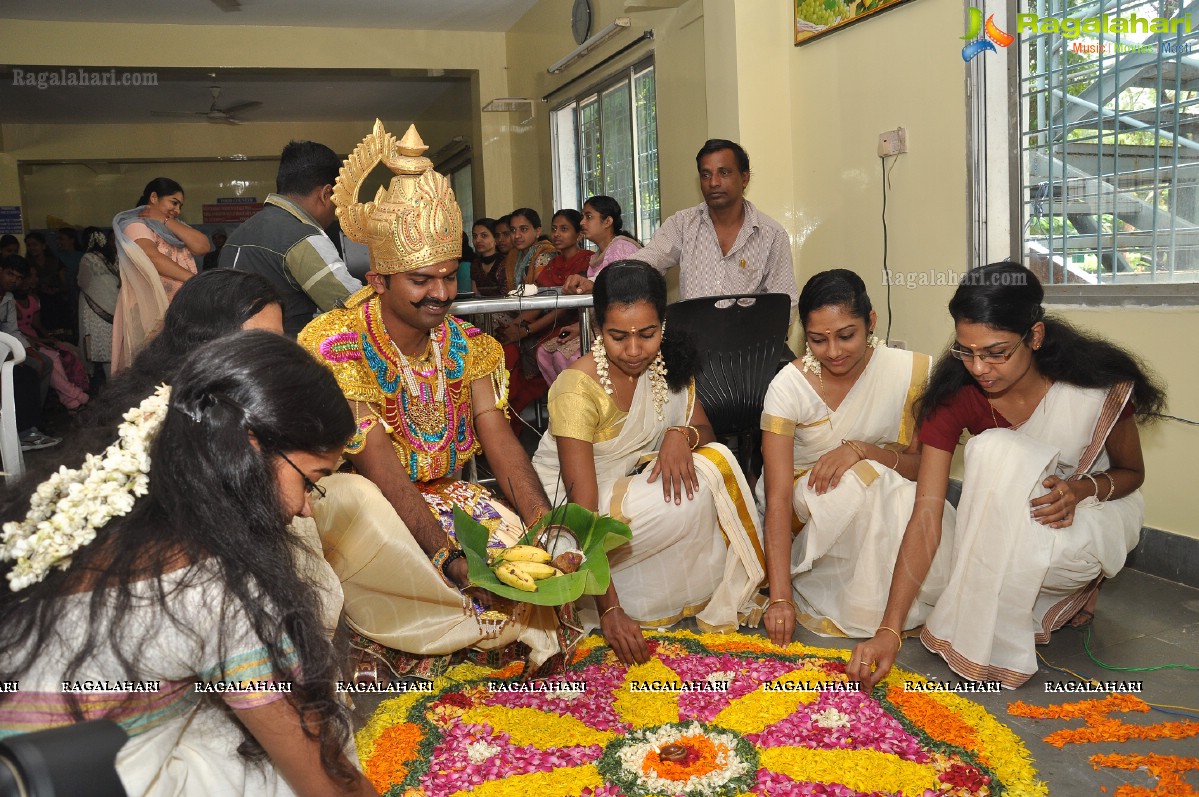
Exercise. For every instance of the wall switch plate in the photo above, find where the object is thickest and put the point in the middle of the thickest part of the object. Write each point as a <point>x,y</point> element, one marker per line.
<point>898,344</point>
<point>892,142</point>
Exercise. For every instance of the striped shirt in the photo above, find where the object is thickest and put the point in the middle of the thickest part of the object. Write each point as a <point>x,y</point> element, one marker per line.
<point>759,260</point>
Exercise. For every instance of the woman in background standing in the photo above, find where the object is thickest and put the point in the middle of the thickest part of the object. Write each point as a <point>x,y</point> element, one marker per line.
<point>99,282</point>
<point>157,255</point>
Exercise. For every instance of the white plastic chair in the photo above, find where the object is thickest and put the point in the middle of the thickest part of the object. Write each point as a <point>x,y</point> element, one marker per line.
<point>12,353</point>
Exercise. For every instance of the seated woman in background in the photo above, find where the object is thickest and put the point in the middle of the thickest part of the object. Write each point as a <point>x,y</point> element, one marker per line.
<point>531,251</point>
<point>188,581</point>
<point>68,377</point>
<point>1050,501</point>
<point>531,254</point>
<point>840,452</point>
<point>601,224</point>
<point>487,275</point>
<point>157,253</point>
<point>630,404</point>
<point>537,328</point>
<point>53,283</point>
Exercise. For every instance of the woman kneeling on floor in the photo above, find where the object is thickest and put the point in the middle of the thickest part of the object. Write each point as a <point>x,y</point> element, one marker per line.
<point>1050,501</point>
<point>627,437</point>
<point>840,455</point>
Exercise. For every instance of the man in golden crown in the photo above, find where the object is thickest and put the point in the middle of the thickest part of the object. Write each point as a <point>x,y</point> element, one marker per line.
<point>428,391</point>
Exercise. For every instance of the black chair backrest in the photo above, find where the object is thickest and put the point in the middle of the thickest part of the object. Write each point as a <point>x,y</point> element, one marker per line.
<point>741,340</point>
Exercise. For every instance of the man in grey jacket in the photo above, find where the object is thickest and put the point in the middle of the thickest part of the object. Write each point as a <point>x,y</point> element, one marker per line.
<point>286,241</point>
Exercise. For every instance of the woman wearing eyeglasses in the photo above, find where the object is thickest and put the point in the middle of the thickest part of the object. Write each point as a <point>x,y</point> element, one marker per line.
<point>1050,502</point>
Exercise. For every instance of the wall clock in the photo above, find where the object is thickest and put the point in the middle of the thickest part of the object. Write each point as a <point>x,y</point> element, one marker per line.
<point>580,20</point>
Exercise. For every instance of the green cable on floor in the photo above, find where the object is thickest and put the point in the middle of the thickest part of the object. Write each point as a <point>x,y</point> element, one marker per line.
<point>1086,644</point>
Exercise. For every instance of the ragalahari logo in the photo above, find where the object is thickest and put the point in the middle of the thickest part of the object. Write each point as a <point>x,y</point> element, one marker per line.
<point>990,31</point>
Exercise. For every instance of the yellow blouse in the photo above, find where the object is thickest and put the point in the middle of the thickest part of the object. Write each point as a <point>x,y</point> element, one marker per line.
<point>581,410</point>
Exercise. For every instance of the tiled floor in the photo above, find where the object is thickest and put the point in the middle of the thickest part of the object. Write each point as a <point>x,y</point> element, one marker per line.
<point>1142,621</point>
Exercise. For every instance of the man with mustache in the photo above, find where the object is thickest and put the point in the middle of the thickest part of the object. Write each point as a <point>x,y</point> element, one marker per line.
<point>429,391</point>
<point>725,245</point>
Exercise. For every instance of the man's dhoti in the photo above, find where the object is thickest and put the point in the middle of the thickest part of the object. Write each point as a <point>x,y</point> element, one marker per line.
<point>394,595</point>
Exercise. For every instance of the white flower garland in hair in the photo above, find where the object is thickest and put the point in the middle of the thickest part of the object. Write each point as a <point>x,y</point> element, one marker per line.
<point>66,510</point>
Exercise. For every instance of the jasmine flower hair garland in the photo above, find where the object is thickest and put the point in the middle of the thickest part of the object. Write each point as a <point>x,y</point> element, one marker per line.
<point>67,509</point>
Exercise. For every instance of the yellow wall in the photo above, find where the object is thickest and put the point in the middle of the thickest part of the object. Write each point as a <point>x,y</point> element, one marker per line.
<point>1163,338</point>
<point>125,45</point>
<point>542,37</point>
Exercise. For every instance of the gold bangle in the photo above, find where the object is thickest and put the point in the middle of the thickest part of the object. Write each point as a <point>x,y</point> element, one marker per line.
<point>854,447</point>
<point>893,631</point>
<point>895,451</point>
<point>683,430</point>
<point>609,609</point>
<point>787,601</point>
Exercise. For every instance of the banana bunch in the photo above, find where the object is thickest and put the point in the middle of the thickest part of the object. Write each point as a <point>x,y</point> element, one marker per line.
<point>522,566</point>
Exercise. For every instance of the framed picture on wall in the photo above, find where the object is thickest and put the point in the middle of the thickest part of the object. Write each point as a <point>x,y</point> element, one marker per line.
<point>816,18</point>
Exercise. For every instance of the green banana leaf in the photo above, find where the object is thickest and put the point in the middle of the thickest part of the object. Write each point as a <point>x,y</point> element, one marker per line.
<point>596,535</point>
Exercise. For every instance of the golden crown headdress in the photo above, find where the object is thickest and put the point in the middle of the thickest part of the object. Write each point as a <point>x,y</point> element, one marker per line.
<point>416,222</point>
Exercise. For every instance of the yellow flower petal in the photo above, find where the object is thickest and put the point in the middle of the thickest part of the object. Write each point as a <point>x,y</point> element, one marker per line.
<point>759,709</point>
<point>541,729</point>
<point>864,770</point>
<point>644,709</point>
<point>565,782</point>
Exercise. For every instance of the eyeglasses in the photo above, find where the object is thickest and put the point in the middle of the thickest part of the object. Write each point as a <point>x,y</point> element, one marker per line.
<point>992,358</point>
<point>310,486</point>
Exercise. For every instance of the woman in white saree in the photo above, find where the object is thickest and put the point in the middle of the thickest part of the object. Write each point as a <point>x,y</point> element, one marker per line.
<point>840,454</point>
<point>629,405</point>
<point>1050,501</point>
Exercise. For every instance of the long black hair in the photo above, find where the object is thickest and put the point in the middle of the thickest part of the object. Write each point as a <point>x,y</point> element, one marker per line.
<point>163,186</point>
<point>609,208</point>
<point>208,306</point>
<point>213,508</point>
<point>837,287</point>
<point>1007,296</point>
<point>627,282</point>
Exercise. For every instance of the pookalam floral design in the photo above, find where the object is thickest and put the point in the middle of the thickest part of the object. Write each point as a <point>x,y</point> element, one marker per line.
<point>712,715</point>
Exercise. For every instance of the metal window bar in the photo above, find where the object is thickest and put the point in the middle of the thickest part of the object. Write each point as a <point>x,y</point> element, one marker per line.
<point>1140,210</point>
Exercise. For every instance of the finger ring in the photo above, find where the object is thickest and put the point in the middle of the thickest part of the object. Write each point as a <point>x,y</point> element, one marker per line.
<point>778,622</point>
<point>1061,492</point>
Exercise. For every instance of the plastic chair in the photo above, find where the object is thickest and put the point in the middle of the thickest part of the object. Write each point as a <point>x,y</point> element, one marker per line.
<point>12,354</point>
<point>741,340</point>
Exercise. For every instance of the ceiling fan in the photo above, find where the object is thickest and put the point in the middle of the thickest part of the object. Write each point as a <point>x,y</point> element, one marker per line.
<point>216,114</point>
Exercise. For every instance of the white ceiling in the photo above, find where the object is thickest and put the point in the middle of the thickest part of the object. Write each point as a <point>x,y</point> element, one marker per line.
<point>480,15</point>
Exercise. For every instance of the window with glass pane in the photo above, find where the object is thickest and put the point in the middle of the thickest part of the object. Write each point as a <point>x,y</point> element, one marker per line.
<point>1110,103</point>
<point>606,142</point>
<point>645,132</point>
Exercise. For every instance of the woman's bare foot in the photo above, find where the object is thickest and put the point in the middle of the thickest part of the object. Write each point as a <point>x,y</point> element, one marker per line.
<point>1086,614</point>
